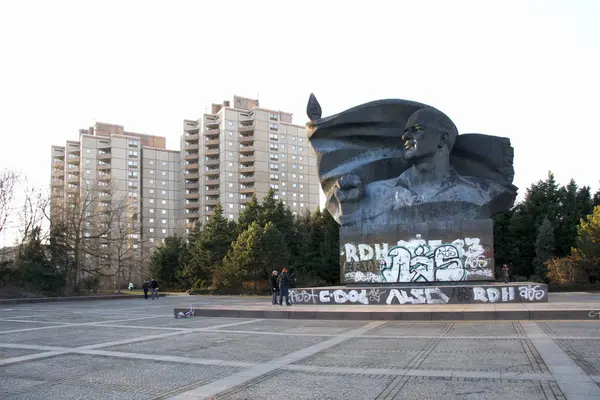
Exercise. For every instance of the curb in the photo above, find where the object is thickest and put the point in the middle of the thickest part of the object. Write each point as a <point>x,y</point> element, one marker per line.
<point>399,316</point>
<point>74,298</point>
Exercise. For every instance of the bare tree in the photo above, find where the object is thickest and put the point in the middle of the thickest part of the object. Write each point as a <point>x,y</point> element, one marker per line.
<point>33,212</point>
<point>9,180</point>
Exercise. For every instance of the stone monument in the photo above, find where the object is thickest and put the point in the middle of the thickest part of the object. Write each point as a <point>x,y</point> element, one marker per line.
<point>414,200</point>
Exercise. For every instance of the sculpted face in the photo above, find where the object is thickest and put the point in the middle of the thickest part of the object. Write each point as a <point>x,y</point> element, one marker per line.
<point>426,132</point>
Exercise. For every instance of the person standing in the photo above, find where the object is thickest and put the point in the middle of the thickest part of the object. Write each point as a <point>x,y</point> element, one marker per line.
<point>284,287</point>
<point>146,286</point>
<point>154,288</point>
<point>505,272</point>
<point>274,287</point>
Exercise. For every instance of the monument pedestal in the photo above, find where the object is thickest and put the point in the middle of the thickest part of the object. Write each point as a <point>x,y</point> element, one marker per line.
<point>414,294</point>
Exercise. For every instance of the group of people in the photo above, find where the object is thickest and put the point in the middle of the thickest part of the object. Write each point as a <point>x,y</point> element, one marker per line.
<point>152,286</point>
<point>280,284</point>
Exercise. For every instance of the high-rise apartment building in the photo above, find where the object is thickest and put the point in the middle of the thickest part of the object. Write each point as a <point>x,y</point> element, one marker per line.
<point>241,149</point>
<point>132,192</point>
<point>124,188</point>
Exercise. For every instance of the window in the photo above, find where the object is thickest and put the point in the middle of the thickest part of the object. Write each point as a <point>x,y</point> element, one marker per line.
<point>231,164</point>
<point>274,176</point>
<point>151,172</point>
<point>151,182</point>
<point>151,240</point>
<point>151,230</point>
<point>164,231</point>
<point>164,202</point>
<point>274,166</point>
<point>163,183</point>
<point>301,186</point>
<point>230,195</point>
<point>132,163</point>
<point>294,176</point>
<point>273,136</point>
<point>230,174</point>
<point>302,195</point>
<point>300,148</point>
<point>283,193</point>
<point>301,204</point>
<point>230,143</point>
<point>294,148</point>
<point>294,139</point>
<point>165,211</point>
<point>230,133</point>
<point>293,157</point>
<point>274,127</point>
<point>276,197</point>
<point>282,183</point>
<point>230,216</point>
<point>151,220</point>
<point>151,162</point>
<point>133,153</point>
<point>164,173</point>
<point>301,167</point>
<point>301,176</point>
<point>230,154</point>
<point>87,171</point>
<point>132,143</point>
<point>274,186</point>
<point>295,204</point>
<point>151,201</point>
<point>164,163</point>
<point>164,221</point>
<point>301,158</point>
<point>230,123</point>
<point>300,140</point>
<point>293,194</point>
<point>294,166</point>
<point>231,185</point>
<point>88,151</point>
<point>151,211</point>
<point>230,205</point>
<point>274,117</point>
<point>87,161</point>
<point>132,173</point>
<point>273,146</point>
<point>293,185</point>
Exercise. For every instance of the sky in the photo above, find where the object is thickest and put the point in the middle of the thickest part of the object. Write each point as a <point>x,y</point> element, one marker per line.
<point>527,70</point>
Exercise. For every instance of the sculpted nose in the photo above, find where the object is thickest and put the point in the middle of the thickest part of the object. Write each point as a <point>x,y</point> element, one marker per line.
<point>407,136</point>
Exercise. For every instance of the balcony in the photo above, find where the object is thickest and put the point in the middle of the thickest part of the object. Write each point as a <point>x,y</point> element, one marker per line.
<point>210,132</point>
<point>104,156</point>
<point>58,164</point>
<point>73,169</point>
<point>247,169</point>
<point>211,202</point>
<point>58,172</point>
<point>214,192</point>
<point>104,178</point>
<point>211,152</point>
<point>245,200</point>
<point>73,179</point>
<point>247,190</point>
<point>104,167</point>
<point>212,162</point>
<point>247,180</point>
<point>191,166</point>
<point>247,149</point>
<point>191,146</point>
<point>246,159</point>
<point>212,142</point>
<point>246,128</point>
<point>212,172</point>
<point>193,136</point>
<point>191,129</point>
<point>209,213</point>
<point>192,185</point>
<point>194,215</point>
<point>74,159</point>
<point>192,205</point>
<point>192,195</point>
<point>193,156</point>
<point>247,139</point>
<point>192,176</point>
<point>58,183</point>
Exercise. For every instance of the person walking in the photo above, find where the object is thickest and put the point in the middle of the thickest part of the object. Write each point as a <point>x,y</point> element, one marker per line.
<point>274,287</point>
<point>284,287</point>
<point>146,286</point>
<point>154,288</point>
<point>505,272</point>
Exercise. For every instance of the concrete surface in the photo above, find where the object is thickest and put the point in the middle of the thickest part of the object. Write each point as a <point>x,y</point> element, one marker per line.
<point>135,349</point>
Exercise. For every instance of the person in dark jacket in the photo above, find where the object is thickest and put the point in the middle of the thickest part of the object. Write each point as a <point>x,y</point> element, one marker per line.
<point>146,286</point>
<point>274,286</point>
<point>154,288</point>
<point>284,287</point>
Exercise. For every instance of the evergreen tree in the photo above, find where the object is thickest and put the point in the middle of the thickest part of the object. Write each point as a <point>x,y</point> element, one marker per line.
<point>167,261</point>
<point>544,248</point>
<point>210,247</point>
<point>588,239</point>
<point>330,250</point>
<point>596,198</point>
<point>251,213</point>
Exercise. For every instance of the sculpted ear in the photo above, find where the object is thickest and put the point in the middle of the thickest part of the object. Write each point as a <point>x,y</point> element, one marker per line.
<point>444,138</point>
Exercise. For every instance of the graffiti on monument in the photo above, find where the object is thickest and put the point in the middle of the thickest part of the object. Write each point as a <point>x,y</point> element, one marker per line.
<point>416,261</point>
<point>428,295</point>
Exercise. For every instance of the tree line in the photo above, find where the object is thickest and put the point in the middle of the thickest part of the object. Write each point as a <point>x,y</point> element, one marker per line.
<point>232,257</point>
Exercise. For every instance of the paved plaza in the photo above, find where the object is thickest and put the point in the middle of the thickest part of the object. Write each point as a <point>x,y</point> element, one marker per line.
<point>135,349</point>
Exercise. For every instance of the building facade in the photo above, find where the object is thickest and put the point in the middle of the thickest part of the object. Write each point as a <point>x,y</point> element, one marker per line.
<point>131,192</point>
<point>118,192</point>
<point>240,149</point>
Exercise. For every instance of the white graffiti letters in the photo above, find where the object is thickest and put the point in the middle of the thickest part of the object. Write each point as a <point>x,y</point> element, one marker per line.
<point>340,296</point>
<point>493,295</point>
<point>531,292</point>
<point>421,296</point>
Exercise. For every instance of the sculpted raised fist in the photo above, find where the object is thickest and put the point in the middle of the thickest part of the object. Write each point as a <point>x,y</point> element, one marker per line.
<point>348,191</point>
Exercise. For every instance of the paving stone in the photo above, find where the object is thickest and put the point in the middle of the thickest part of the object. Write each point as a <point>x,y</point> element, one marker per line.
<point>74,336</point>
<point>418,388</point>
<point>410,329</point>
<point>224,346</point>
<point>309,386</point>
<point>586,353</point>
<point>116,375</point>
<point>573,328</point>
<point>10,353</point>
<point>12,326</point>
<point>186,323</point>
<point>301,326</point>
<point>501,328</point>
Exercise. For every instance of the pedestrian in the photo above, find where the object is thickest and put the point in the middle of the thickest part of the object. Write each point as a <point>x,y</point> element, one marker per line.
<point>154,288</point>
<point>505,272</point>
<point>274,287</point>
<point>284,287</point>
<point>145,286</point>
